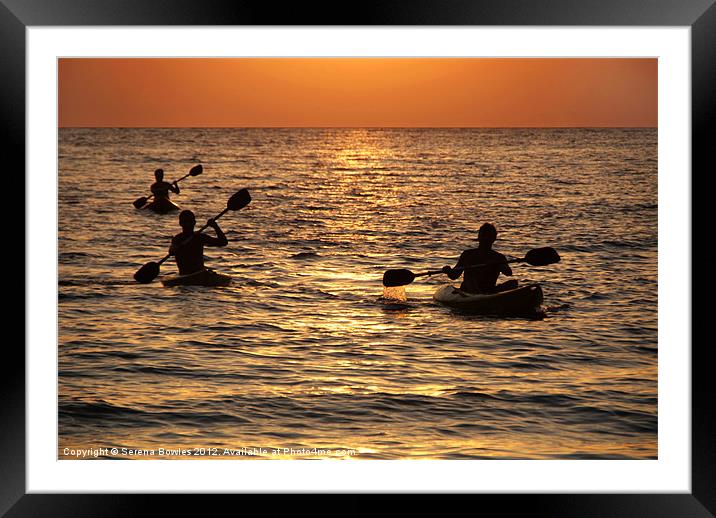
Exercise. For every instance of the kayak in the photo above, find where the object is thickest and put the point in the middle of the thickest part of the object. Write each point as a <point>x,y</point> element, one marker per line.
<point>524,301</point>
<point>162,206</point>
<point>206,277</point>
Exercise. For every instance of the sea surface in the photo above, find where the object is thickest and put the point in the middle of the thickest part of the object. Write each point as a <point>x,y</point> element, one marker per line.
<point>303,357</point>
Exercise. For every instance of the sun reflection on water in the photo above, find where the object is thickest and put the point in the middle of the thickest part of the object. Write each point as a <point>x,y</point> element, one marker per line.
<point>307,348</point>
<point>396,293</point>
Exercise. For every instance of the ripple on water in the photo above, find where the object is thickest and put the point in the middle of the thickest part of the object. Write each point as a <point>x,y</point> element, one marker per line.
<point>303,350</point>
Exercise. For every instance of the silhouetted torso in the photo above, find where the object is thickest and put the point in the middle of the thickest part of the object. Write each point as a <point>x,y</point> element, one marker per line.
<point>190,256</point>
<point>481,280</point>
<point>161,189</point>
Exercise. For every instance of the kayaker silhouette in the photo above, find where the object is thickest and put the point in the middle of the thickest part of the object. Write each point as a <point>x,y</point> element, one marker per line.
<point>482,280</point>
<point>160,189</point>
<point>188,246</point>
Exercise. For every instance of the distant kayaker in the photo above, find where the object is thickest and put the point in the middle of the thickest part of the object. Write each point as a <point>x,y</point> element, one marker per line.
<point>190,255</point>
<point>160,188</point>
<point>482,280</point>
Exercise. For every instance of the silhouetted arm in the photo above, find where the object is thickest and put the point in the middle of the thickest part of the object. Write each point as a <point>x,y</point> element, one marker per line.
<point>504,267</point>
<point>219,240</point>
<point>453,273</point>
<point>173,247</point>
<point>174,187</point>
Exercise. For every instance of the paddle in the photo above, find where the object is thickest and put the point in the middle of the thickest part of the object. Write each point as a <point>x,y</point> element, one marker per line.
<point>194,171</point>
<point>536,257</point>
<point>149,271</point>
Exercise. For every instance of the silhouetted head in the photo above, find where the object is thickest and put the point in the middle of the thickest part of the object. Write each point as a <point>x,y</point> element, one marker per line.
<point>187,220</point>
<point>159,174</point>
<point>487,234</point>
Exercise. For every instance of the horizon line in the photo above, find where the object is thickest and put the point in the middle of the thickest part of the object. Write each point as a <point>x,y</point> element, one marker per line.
<point>357,127</point>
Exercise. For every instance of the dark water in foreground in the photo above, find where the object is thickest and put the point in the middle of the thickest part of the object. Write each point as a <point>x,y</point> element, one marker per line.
<point>301,351</point>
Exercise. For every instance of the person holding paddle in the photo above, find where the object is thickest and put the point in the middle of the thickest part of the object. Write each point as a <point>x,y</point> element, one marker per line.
<point>188,246</point>
<point>160,188</point>
<point>192,259</point>
<point>160,192</point>
<point>482,280</point>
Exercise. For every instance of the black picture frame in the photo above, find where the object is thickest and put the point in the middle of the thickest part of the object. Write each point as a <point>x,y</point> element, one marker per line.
<point>700,15</point>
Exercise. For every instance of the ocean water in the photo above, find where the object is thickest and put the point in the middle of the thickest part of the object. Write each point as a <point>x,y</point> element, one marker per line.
<point>302,356</point>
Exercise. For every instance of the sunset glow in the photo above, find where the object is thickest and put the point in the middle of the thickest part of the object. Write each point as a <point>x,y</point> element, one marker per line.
<point>357,92</point>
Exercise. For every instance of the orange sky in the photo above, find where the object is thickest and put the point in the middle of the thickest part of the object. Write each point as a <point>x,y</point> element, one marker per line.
<point>373,92</point>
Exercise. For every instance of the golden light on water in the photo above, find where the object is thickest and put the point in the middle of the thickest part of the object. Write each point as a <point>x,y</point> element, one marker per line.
<point>396,293</point>
<point>306,350</point>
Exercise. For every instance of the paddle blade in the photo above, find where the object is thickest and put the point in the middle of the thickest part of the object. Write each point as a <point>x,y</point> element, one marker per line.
<point>398,277</point>
<point>239,200</point>
<point>196,170</point>
<point>140,202</point>
<point>542,256</point>
<point>147,273</point>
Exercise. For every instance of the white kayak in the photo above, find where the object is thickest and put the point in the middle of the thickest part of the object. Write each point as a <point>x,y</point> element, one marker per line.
<point>523,301</point>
